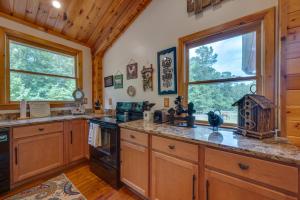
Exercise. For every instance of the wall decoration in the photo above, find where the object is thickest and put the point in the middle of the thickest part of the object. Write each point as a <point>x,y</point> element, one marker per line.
<point>197,6</point>
<point>131,91</point>
<point>167,71</point>
<point>118,81</point>
<point>132,71</point>
<point>108,81</point>
<point>147,74</point>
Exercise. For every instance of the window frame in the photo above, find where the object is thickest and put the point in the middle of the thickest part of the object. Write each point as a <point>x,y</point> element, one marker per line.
<point>6,36</point>
<point>248,28</point>
<point>264,24</point>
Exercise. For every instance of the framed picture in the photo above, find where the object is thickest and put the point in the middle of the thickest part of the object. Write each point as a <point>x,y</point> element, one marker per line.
<point>108,81</point>
<point>132,71</point>
<point>118,81</point>
<point>167,71</point>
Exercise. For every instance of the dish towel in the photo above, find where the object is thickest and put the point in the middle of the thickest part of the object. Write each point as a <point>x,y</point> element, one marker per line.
<point>95,136</point>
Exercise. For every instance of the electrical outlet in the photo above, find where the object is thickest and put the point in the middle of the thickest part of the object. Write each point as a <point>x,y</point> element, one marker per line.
<point>85,100</point>
<point>166,102</point>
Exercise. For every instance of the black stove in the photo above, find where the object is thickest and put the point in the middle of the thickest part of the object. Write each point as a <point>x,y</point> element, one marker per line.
<point>105,159</point>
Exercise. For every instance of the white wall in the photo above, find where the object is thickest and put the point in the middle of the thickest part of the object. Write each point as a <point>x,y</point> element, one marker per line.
<point>158,28</point>
<point>87,59</point>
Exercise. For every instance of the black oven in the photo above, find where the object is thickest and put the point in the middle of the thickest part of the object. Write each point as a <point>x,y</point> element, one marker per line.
<point>105,159</point>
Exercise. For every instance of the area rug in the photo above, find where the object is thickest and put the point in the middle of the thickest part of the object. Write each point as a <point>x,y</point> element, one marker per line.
<point>58,188</point>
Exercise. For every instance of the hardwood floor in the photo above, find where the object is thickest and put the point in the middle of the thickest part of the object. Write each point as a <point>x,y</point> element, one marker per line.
<point>88,184</point>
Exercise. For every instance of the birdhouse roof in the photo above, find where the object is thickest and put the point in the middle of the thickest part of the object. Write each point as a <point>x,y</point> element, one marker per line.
<point>262,101</point>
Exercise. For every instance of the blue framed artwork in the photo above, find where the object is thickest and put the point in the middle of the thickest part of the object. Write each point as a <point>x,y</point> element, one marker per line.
<point>167,71</point>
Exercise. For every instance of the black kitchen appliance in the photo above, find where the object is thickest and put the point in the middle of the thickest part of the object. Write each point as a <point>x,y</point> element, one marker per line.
<point>105,159</point>
<point>160,116</point>
<point>4,160</point>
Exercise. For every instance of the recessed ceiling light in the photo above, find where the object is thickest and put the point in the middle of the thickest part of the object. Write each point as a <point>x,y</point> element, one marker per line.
<point>56,4</point>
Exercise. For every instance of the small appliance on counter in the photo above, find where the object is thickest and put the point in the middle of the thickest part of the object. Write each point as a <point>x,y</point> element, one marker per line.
<point>4,160</point>
<point>161,116</point>
<point>105,155</point>
<point>79,108</point>
<point>148,115</point>
<point>180,116</point>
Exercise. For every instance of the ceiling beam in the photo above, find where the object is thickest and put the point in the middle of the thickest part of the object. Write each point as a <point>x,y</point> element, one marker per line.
<point>105,41</point>
<point>40,28</point>
<point>113,10</point>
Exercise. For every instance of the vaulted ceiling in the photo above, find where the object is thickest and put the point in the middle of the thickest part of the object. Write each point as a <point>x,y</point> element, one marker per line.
<point>94,23</point>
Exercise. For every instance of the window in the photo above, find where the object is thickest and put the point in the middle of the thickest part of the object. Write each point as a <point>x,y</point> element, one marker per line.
<point>221,69</point>
<point>40,74</point>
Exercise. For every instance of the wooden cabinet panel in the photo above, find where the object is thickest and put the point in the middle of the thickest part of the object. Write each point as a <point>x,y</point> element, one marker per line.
<point>134,137</point>
<point>220,187</point>
<point>273,174</point>
<point>173,179</point>
<point>294,19</point>
<point>76,140</point>
<point>293,82</point>
<point>293,65</point>
<point>293,113</point>
<point>35,155</point>
<point>27,131</point>
<point>293,50</point>
<point>135,167</point>
<point>177,148</point>
<point>293,5</point>
<point>293,128</point>
<point>293,98</point>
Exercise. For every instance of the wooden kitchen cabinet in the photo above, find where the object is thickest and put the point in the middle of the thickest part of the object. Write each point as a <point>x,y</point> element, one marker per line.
<point>37,154</point>
<point>135,167</point>
<point>173,179</point>
<point>220,186</point>
<point>76,140</point>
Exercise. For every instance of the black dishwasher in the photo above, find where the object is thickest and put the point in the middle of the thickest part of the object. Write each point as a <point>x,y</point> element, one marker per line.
<point>4,160</point>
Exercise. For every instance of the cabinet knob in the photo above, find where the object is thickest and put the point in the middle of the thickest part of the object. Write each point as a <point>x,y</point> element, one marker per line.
<point>41,129</point>
<point>243,166</point>
<point>171,146</point>
<point>132,136</point>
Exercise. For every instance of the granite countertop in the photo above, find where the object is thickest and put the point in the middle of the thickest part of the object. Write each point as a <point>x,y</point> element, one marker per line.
<point>277,149</point>
<point>23,122</point>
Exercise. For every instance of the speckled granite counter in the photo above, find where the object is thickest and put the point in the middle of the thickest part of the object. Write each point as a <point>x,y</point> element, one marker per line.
<point>14,123</point>
<point>278,149</point>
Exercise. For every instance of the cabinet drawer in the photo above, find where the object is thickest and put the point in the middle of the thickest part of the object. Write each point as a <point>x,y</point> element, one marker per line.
<point>26,131</point>
<point>135,137</point>
<point>176,148</point>
<point>273,174</point>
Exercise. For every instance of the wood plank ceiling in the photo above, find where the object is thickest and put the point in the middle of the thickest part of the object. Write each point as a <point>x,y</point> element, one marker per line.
<point>94,23</point>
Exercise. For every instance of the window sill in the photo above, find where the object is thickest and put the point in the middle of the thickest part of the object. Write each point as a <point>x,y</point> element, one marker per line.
<point>16,106</point>
<point>225,125</point>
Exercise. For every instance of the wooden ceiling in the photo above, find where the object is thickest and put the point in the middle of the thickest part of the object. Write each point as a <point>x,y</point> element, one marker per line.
<point>94,23</point>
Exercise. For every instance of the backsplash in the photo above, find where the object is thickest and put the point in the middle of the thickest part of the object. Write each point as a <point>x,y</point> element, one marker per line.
<point>15,116</point>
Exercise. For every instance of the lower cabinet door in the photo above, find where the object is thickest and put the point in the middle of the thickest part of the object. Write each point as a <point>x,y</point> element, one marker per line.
<point>76,140</point>
<point>35,155</point>
<point>220,186</point>
<point>134,167</point>
<point>173,179</point>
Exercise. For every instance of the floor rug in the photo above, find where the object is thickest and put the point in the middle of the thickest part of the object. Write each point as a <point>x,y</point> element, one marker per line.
<point>58,188</point>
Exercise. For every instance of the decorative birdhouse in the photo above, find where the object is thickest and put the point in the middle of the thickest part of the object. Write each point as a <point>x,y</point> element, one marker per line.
<point>255,116</point>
